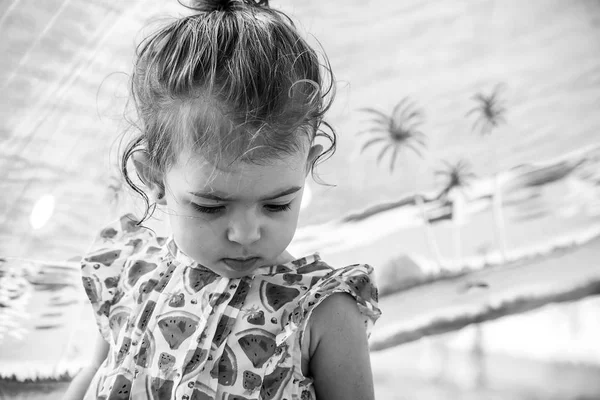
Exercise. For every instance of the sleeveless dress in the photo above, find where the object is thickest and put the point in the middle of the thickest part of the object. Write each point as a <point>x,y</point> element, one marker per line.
<point>179,331</point>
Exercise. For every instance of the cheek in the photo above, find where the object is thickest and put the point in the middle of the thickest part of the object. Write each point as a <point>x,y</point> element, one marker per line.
<point>194,234</point>
<point>286,227</point>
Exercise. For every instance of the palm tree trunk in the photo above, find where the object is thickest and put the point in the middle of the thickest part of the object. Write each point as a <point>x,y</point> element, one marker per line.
<point>478,357</point>
<point>457,243</point>
<point>430,238</point>
<point>499,217</point>
<point>457,221</point>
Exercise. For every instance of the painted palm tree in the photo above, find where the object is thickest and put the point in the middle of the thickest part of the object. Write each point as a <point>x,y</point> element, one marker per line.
<point>489,110</point>
<point>397,132</point>
<point>491,113</point>
<point>457,178</point>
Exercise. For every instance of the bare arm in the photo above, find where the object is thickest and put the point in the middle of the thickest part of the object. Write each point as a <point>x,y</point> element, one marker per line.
<point>82,380</point>
<point>339,354</point>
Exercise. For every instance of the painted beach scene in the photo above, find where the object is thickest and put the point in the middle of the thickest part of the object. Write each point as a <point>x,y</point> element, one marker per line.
<point>467,173</point>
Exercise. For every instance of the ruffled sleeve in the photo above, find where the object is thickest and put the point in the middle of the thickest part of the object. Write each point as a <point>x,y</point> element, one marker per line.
<point>357,280</point>
<point>102,266</point>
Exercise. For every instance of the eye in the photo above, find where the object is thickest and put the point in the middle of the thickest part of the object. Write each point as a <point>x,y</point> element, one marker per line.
<point>207,210</point>
<point>218,209</point>
<point>278,207</point>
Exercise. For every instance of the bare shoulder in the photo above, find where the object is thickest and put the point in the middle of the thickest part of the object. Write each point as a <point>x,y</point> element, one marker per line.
<point>337,307</point>
<point>334,316</point>
<point>339,354</point>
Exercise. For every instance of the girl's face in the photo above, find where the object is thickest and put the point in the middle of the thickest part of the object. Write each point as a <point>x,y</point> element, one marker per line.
<point>237,219</point>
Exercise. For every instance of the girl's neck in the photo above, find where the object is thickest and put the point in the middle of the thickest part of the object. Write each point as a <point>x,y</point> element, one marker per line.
<point>284,257</point>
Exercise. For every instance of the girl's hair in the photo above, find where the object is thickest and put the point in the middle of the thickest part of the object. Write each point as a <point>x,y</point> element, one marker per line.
<point>233,81</point>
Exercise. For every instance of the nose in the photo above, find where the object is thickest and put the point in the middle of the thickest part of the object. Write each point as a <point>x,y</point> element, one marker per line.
<point>244,228</point>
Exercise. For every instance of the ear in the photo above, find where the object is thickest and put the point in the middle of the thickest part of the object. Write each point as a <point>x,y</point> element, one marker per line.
<point>149,176</point>
<point>313,153</point>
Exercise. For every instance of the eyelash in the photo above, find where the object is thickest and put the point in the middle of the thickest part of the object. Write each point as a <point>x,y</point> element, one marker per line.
<point>215,210</point>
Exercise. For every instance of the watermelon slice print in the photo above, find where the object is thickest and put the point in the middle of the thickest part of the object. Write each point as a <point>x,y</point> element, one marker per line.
<point>225,369</point>
<point>146,314</point>
<point>202,392</point>
<point>146,351</point>
<point>121,388</point>
<point>117,319</point>
<point>128,223</point>
<point>223,330</point>
<point>252,381</point>
<point>316,266</point>
<point>108,233</point>
<point>258,344</point>
<point>137,269</point>
<point>177,326</point>
<point>111,282</point>
<point>125,346</point>
<point>362,286</point>
<point>282,268</point>
<point>216,299</point>
<point>153,250</point>
<point>136,244</point>
<point>194,359</point>
<point>162,283</point>
<point>228,396</point>
<point>92,288</point>
<point>104,257</point>
<point>161,389</point>
<point>291,279</point>
<point>240,294</point>
<point>104,308</point>
<point>300,262</point>
<point>196,278</point>
<point>273,382</point>
<point>166,362</point>
<point>273,297</point>
<point>145,289</point>
<point>118,296</point>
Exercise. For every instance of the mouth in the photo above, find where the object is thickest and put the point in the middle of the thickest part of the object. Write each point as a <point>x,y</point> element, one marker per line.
<point>240,264</point>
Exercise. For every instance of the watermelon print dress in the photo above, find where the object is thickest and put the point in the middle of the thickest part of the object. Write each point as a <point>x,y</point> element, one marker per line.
<point>179,331</point>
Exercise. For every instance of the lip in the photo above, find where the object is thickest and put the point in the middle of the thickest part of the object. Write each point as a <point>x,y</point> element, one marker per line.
<point>240,264</point>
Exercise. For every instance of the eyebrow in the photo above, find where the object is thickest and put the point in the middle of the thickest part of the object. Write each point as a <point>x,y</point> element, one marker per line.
<point>218,196</point>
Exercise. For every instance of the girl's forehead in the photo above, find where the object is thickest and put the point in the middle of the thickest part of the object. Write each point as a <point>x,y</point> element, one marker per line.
<point>196,172</point>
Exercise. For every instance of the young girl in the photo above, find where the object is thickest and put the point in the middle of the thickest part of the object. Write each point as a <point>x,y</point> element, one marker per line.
<point>230,102</point>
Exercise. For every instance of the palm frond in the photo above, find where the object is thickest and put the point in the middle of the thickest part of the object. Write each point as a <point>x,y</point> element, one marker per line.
<point>471,111</point>
<point>382,153</point>
<point>479,97</point>
<point>414,148</point>
<point>370,130</point>
<point>399,106</point>
<point>412,115</point>
<point>378,113</point>
<point>379,121</point>
<point>394,155</point>
<point>370,143</point>
<point>420,137</point>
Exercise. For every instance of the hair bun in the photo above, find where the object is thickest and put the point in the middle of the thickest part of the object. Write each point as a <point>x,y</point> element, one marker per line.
<point>223,5</point>
<point>212,5</point>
